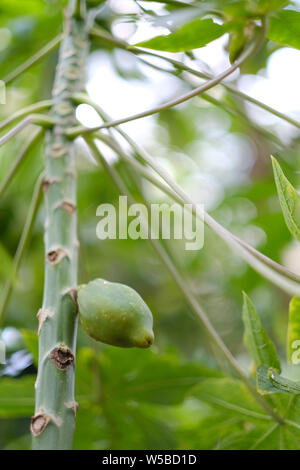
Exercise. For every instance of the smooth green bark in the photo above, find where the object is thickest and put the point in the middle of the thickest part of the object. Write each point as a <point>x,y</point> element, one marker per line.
<point>52,426</point>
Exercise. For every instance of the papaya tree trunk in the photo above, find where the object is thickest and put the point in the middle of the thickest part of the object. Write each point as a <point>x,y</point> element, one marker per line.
<point>52,426</point>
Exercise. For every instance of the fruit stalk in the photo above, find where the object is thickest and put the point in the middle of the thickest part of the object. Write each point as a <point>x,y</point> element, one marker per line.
<point>53,424</point>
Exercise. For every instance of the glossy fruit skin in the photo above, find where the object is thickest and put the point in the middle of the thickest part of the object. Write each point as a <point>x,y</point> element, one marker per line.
<point>115,314</point>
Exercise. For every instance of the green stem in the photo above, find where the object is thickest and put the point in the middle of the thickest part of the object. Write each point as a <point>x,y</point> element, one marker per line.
<point>53,425</point>
<point>182,284</point>
<point>43,52</point>
<point>32,211</point>
<point>28,146</point>
<point>79,9</point>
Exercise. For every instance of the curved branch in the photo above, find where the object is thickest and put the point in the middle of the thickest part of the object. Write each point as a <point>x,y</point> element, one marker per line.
<point>18,161</point>
<point>51,46</point>
<point>34,108</point>
<point>268,268</point>
<point>38,119</point>
<point>72,133</point>
<point>33,208</point>
<point>104,35</point>
<point>273,271</point>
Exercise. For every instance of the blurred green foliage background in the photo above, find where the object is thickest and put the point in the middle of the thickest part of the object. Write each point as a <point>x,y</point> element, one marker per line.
<point>132,399</point>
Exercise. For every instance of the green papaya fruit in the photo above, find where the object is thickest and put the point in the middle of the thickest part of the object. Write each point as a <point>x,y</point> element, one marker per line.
<point>115,314</point>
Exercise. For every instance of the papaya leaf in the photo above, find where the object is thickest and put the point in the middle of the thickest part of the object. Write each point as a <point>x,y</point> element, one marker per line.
<point>283,384</point>
<point>289,199</point>
<point>285,28</point>
<point>196,33</point>
<point>251,428</point>
<point>236,44</point>
<point>123,426</point>
<point>263,383</point>
<point>268,381</point>
<point>127,397</point>
<point>23,442</point>
<point>293,336</point>
<point>256,339</point>
<point>232,396</point>
<point>149,378</point>
<point>239,38</point>
<point>31,343</point>
<point>6,265</point>
<point>265,6</point>
<point>16,397</point>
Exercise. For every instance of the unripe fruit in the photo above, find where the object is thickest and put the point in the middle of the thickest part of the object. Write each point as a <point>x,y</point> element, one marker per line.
<point>115,314</point>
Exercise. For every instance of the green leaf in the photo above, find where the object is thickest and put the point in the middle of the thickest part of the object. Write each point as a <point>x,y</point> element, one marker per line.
<point>263,383</point>
<point>241,33</point>
<point>236,44</point>
<point>231,396</point>
<point>6,265</point>
<point>269,381</point>
<point>249,9</point>
<point>122,426</point>
<point>32,343</point>
<point>126,397</point>
<point>233,415</point>
<point>285,28</point>
<point>293,336</point>
<point>256,339</point>
<point>16,397</point>
<point>283,384</point>
<point>192,35</point>
<point>289,199</point>
<point>22,443</point>
<point>148,377</point>
<point>251,427</point>
<point>263,6</point>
